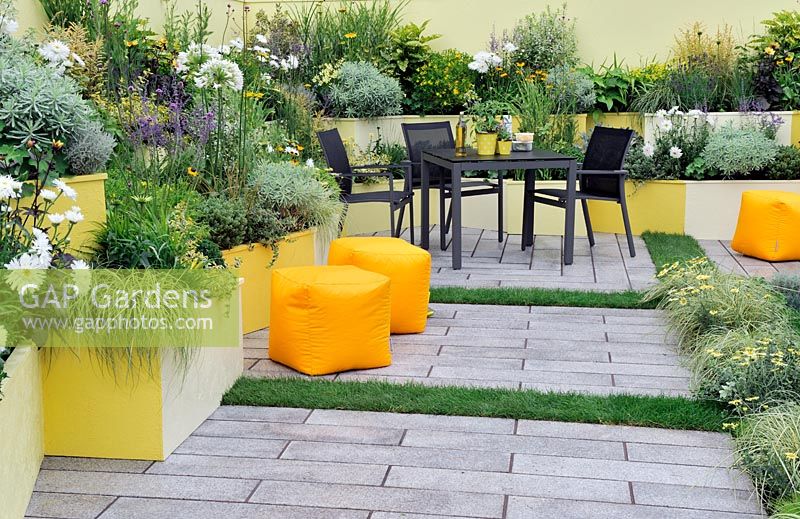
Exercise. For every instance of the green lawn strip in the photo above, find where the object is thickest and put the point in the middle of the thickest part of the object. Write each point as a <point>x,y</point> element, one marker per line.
<point>647,411</point>
<point>668,248</point>
<point>538,297</point>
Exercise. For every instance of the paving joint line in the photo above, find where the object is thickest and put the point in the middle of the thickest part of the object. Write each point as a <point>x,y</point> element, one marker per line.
<point>109,505</point>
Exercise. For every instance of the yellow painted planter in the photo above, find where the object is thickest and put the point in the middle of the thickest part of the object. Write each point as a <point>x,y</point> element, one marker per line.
<point>255,264</point>
<point>653,206</point>
<point>486,143</point>
<point>92,201</point>
<point>21,430</point>
<point>504,147</point>
<point>90,412</point>
<point>632,120</point>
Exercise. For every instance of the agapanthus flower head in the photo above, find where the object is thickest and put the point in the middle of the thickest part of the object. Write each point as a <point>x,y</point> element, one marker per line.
<point>194,57</point>
<point>8,25</point>
<point>220,73</point>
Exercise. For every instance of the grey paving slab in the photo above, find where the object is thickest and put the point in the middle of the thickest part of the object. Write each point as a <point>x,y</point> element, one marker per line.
<point>605,267</point>
<point>722,254</point>
<point>430,381</point>
<point>94,464</point>
<point>133,508</point>
<point>405,456</point>
<point>261,414</point>
<point>437,467</point>
<point>468,504</point>
<point>529,507</point>
<point>67,506</point>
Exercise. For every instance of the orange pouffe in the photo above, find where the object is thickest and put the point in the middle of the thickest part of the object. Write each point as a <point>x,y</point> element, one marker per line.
<point>769,226</point>
<point>329,319</point>
<point>408,267</point>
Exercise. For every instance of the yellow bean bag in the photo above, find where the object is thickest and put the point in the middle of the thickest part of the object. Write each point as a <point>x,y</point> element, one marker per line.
<point>408,267</point>
<point>329,319</point>
<point>769,226</point>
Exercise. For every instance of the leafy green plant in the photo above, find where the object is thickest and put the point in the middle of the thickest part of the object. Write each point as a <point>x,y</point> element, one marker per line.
<point>408,49</point>
<point>298,197</point>
<point>789,286</point>
<point>700,299</point>
<point>362,91</point>
<point>546,40</point>
<point>738,151</point>
<point>443,84</point>
<point>226,220</point>
<point>773,54</point>
<point>64,13</point>
<point>768,449</point>
<point>571,89</point>
<point>485,115</point>
<point>612,86</point>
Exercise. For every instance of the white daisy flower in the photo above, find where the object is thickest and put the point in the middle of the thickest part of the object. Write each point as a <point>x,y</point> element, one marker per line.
<point>675,152</point>
<point>237,44</point>
<point>510,47</point>
<point>9,188</point>
<point>79,265</point>
<point>56,218</point>
<point>648,150</point>
<point>310,163</point>
<point>48,195</point>
<point>665,125</point>
<point>54,51</point>
<point>40,246</point>
<point>65,189</point>
<point>74,214</point>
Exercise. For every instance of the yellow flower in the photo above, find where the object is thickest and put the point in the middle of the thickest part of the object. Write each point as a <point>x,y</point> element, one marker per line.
<point>131,43</point>
<point>791,456</point>
<point>702,277</point>
<point>769,51</point>
<point>682,301</point>
<point>520,64</point>
<point>706,287</point>
<point>57,144</point>
<point>192,172</point>
<point>254,95</point>
<point>751,398</point>
<point>504,74</point>
<point>735,402</point>
<point>713,312</point>
<point>729,426</point>
<point>350,35</point>
<point>734,291</point>
<point>789,58</point>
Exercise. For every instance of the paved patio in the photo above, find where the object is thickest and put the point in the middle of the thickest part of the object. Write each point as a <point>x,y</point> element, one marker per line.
<point>587,350</point>
<point>728,259</point>
<point>295,463</point>
<point>487,263</point>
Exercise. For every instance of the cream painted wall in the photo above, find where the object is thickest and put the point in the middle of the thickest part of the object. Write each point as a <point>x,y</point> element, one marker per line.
<point>633,29</point>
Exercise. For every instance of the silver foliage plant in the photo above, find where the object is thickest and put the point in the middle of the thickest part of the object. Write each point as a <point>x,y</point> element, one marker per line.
<point>739,151</point>
<point>361,90</point>
<point>36,103</point>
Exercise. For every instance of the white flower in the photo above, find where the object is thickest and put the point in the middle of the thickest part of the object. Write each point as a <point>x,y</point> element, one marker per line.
<point>310,163</point>
<point>56,218</point>
<point>224,50</point>
<point>266,78</point>
<point>648,150</point>
<point>27,271</point>
<point>79,265</point>
<point>270,149</point>
<point>56,52</point>
<point>695,114</point>
<point>194,57</point>
<point>8,26</point>
<point>237,44</point>
<point>260,38</point>
<point>218,73</point>
<point>660,114</point>
<point>673,110</point>
<point>65,189</point>
<point>665,125</point>
<point>74,214</point>
<point>292,150</point>
<point>48,195</point>
<point>675,152</point>
<point>479,66</point>
<point>259,48</point>
<point>290,63</point>
<point>9,188</point>
<point>482,61</point>
<point>510,47</point>
<point>25,261</point>
<point>40,246</point>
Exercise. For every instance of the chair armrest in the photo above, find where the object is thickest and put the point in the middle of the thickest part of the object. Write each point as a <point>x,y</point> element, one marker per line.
<point>377,166</point>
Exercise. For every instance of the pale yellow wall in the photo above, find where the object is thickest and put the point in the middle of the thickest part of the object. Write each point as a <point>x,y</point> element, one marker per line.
<point>633,29</point>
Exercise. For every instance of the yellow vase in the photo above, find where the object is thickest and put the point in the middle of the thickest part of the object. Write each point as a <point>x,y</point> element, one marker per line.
<point>504,147</point>
<point>486,143</point>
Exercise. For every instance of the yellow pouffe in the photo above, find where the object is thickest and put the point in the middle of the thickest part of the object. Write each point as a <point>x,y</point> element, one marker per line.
<point>329,319</point>
<point>408,267</point>
<point>769,226</point>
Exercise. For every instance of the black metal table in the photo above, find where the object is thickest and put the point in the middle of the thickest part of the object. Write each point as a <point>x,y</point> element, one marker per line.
<point>530,161</point>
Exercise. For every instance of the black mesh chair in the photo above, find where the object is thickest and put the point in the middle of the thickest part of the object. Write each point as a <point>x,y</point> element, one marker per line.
<point>336,156</point>
<point>425,136</point>
<point>601,177</point>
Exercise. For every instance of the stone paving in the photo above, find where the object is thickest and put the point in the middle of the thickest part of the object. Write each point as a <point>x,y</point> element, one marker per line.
<point>487,263</point>
<point>295,463</point>
<point>588,350</point>
<point>732,261</point>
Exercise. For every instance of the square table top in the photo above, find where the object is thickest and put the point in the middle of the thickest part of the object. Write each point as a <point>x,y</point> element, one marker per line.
<point>449,154</point>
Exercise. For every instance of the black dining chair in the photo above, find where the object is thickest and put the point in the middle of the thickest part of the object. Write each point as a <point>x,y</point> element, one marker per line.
<point>600,177</point>
<point>425,136</point>
<point>336,157</point>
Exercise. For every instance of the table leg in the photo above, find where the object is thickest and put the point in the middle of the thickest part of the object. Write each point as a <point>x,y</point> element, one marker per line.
<point>425,193</point>
<point>455,208</point>
<point>569,224</point>
<point>527,208</point>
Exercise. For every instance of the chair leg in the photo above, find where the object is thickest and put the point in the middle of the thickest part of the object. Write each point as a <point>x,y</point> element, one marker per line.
<point>442,220</point>
<point>627,223</point>
<point>400,218</point>
<point>589,231</point>
<point>449,218</point>
<point>391,219</point>
<point>500,207</point>
<point>411,217</point>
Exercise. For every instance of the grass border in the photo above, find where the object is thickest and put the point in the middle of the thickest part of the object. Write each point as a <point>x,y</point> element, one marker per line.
<point>646,411</point>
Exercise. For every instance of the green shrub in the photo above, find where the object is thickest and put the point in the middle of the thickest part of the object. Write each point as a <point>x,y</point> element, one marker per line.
<point>226,219</point>
<point>789,286</point>
<point>788,508</point>
<point>264,225</point>
<point>748,370</point>
<point>572,90</point>
<point>786,165</point>
<point>700,299</point>
<point>297,196</point>
<point>546,40</point>
<point>444,84</point>
<point>361,90</point>
<point>768,449</point>
<point>739,151</point>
